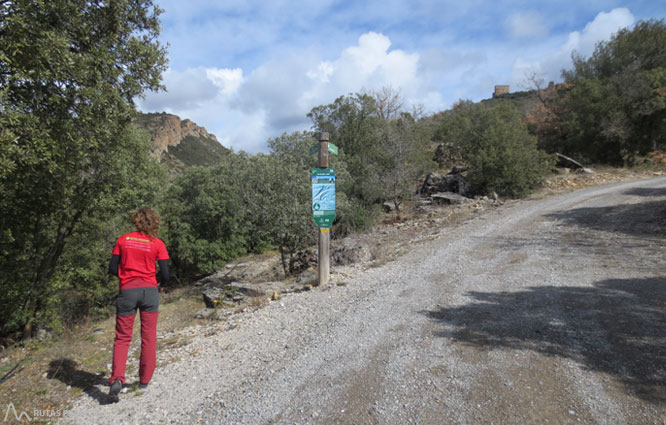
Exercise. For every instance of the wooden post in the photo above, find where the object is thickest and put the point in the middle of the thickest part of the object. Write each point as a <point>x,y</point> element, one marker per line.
<point>324,233</point>
<point>324,242</point>
<point>323,150</point>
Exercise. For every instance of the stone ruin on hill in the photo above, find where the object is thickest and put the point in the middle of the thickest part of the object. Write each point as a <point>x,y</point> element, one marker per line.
<point>501,90</point>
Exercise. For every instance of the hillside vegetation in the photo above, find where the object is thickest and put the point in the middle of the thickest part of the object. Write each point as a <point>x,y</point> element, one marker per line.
<point>74,165</point>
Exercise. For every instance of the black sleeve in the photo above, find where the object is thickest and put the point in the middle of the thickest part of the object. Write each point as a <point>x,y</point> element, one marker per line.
<point>113,265</point>
<point>164,270</point>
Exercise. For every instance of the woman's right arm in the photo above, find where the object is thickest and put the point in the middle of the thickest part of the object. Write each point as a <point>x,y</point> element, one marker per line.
<point>164,270</point>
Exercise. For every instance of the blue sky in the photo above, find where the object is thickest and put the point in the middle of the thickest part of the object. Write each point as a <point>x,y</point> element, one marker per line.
<point>251,70</point>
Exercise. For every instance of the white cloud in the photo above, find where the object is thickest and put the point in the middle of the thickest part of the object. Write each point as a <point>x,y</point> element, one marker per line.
<point>244,111</point>
<point>185,90</point>
<point>601,28</point>
<point>228,80</point>
<point>526,25</point>
<point>245,106</point>
<point>372,65</point>
<point>322,73</point>
<point>582,42</point>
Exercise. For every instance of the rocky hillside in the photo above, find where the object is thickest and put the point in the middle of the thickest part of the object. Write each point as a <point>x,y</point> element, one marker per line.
<point>181,143</point>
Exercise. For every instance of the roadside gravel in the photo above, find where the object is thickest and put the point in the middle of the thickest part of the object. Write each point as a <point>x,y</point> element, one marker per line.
<point>548,311</point>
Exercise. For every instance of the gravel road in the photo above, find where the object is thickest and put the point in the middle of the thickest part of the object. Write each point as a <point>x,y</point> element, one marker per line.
<point>538,312</point>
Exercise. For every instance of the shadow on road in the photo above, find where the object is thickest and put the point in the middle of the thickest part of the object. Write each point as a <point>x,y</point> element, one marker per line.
<point>616,327</point>
<point>644,191</point>
<point>641,219</point>
<point>66,371</point>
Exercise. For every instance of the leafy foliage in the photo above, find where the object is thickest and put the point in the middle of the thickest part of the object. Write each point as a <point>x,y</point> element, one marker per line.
<point>245,204</point>
<point>207,222</point>
<point>193,151</point>
<point>502,155</point>
<point>68,73</point>
<point>352,122</point>
<point>383,151</point>
<point>287,195</point>
<point>73,165</point>
<point>405,155</point>
<point>615,108</point>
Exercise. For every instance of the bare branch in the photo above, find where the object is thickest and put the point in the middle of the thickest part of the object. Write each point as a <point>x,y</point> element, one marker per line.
<point>389,102</point>
<point>536,81</point>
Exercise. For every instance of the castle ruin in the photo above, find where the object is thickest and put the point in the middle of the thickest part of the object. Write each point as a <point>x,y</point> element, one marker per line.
<point>500,90</point>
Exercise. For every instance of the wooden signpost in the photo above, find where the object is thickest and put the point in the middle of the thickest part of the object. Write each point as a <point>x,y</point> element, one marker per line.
<point>323,203</point>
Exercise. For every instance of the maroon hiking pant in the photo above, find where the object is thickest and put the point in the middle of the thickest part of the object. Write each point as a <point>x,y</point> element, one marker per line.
<point>147,300</point>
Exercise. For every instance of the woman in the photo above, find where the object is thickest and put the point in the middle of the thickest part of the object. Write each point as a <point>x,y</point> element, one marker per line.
<point>133,261</point>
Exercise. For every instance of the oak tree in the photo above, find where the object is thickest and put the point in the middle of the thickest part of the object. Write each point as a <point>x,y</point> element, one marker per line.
<point>69,73</point>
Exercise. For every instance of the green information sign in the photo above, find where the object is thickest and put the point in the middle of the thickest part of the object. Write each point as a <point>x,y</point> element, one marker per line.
<point>323,196</point>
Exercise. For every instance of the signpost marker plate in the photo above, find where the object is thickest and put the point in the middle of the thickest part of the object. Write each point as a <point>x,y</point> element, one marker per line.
<point>323,196</point>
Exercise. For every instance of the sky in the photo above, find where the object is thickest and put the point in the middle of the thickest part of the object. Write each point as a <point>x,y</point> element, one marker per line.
<point>250,70</point>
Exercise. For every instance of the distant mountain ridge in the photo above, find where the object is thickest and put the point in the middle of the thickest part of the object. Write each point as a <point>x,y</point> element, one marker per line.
<point>181,143</point>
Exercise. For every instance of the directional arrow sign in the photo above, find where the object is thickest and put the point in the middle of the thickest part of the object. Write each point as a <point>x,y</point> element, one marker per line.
<point>314,149</point>
<point>331,148</point>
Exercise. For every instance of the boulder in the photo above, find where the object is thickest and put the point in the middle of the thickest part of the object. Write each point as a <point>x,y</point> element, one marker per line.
<point>213,295</point>
<point>216,291</point>
<point>452,182</point>
<point>256,270</point>
<point>254,290</point>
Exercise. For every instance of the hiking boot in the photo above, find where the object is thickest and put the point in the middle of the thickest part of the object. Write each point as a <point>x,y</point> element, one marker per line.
<point>142,386</point>
<point>116,386</point>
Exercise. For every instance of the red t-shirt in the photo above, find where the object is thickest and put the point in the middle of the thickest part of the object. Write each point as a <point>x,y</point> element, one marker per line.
<point>138,254</point>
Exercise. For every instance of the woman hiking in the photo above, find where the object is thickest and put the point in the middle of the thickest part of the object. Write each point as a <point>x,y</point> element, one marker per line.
<point>133,261</point>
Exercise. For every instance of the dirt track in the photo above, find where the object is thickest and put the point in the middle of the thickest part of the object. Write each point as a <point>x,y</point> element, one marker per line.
<point>550,311</point>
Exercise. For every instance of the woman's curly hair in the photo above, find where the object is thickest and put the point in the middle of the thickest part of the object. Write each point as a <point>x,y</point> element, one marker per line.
<point>146,221</point>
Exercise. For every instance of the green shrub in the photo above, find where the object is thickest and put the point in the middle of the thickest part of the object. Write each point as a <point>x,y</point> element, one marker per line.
<point>502,155</point>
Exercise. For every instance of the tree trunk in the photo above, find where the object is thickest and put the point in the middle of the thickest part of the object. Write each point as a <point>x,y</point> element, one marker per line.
<point>291,261</point>
<point>44,273</point>
<point>283,258</point>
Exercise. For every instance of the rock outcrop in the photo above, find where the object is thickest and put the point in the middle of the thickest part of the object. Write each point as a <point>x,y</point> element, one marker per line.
<point>453,182</point>
<point>181,143</point>
<point>169,130</point>
<point>216,292</point>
